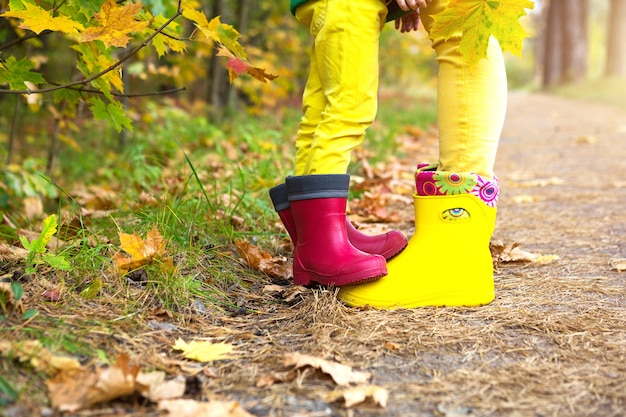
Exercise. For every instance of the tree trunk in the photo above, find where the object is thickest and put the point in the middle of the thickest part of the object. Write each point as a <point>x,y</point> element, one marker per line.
<point>616,49</point>
<point>566,48</point>
<point>241,24</point>
<point>219,84</point>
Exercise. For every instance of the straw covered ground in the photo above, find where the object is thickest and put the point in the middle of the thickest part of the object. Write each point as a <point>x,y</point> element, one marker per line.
<point>553,343</point>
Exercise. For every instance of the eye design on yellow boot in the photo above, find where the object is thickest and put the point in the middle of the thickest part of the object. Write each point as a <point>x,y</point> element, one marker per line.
<point>455,215</point>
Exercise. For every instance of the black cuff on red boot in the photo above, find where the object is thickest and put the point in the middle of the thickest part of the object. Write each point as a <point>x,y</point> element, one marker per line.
<point>308,187</point>
<point>279,198</point>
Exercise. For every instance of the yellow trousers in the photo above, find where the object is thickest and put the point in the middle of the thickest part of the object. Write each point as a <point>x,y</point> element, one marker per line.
<point>340,97</point>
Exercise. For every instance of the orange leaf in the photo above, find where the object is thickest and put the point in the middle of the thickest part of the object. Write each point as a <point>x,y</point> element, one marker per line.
<point>260,74</point>
<point>262,261</point>
<point>115,24</point>
<point>141,252</point>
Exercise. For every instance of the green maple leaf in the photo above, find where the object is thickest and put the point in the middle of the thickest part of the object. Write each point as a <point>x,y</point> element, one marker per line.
<point>68,95</point>
<point>478,20</point>
<point>15,73</point>
<point>112,112</point>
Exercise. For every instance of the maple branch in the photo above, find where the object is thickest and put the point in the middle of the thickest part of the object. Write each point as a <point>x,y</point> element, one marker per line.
<point>23,39</point>
<point>87,80</point>
<point>151,93</point>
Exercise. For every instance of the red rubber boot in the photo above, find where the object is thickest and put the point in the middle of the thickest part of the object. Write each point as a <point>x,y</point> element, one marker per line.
<point>323,253</point>
<point>387,244</point>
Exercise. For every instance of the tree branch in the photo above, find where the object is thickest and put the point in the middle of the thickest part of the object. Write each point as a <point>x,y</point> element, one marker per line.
<point>105,71</point>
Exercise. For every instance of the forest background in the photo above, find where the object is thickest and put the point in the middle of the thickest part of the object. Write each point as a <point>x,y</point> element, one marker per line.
<point>185,155</point>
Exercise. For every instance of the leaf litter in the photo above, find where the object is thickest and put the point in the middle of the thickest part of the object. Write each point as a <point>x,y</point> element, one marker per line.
<point>552,343</point>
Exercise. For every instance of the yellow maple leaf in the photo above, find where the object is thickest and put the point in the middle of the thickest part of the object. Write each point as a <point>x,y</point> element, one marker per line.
<point>115,23</point>
<point>201,22</point>
<point>38,19</point>
<point>112,77</point>
<point>478,20</point>
<point>141,251</point>
<point>203,351</point>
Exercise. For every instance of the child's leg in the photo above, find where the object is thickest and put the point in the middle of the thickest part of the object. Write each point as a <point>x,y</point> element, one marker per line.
<point>471,103</point>
<point>340,99</point>
<point>447,261</point>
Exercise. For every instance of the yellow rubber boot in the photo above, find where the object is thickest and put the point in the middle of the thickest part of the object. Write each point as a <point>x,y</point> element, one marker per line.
<point>447,261</point>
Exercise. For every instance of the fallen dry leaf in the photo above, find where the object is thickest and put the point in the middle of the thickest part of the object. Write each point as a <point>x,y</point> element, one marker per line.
<point>52,294</point>
<point>275,377</point>
<point>142,252</point>
<point>203,351</point>
<point>343,375</point>
<point>357,395</point>
<point>10,305</point>
<point>153,386</point>
<point>96,198</point>
<point>260,260</point>
<point>619,265</point>
<point>33,207</point>
<point>512,253</point>
<point>587,139</point>
<point>191,408</point>
<point>39,357</point>
<point>12,253</point>
<point>524,198</point>
<point>292,292</point>
<point>75,390</point>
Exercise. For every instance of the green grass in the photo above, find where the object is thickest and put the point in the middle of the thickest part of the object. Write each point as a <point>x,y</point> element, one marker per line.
<point>200,184</point>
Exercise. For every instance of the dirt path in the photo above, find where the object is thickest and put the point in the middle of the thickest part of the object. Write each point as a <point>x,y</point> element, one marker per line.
<point>552,344</point>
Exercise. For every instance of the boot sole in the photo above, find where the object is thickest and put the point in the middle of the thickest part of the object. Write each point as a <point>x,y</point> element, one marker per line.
<point>307,278</point>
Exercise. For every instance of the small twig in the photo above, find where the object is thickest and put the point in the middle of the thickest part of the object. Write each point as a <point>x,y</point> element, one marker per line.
<point>151,93</point>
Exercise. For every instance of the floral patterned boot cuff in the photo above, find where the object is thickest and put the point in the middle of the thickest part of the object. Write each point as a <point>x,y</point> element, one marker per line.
<point>429,181</point>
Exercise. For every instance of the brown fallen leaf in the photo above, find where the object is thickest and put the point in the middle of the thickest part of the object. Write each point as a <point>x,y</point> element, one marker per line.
<point>512,253</point>
<point>262,261</point>
<point>619,265</point>
<point>11,305</point>
<point>75,390</point>
<point>32,207</point>
<point>275,377</point>
<point>96,198</point>
<point>357,395</point>
<point>12,253</point>
<point>153,386</point>
<point>192,408</point>
<point>343,375</point>
<point>38,356</point>
<point>294,291</point>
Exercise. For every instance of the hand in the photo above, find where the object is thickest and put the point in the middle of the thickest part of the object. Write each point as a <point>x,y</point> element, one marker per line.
<point>408,22</point>
<point>407,5</point>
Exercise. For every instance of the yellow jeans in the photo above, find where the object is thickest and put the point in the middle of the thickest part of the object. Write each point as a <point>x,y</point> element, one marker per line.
<point>339,100</point>
<point>340,96</point>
